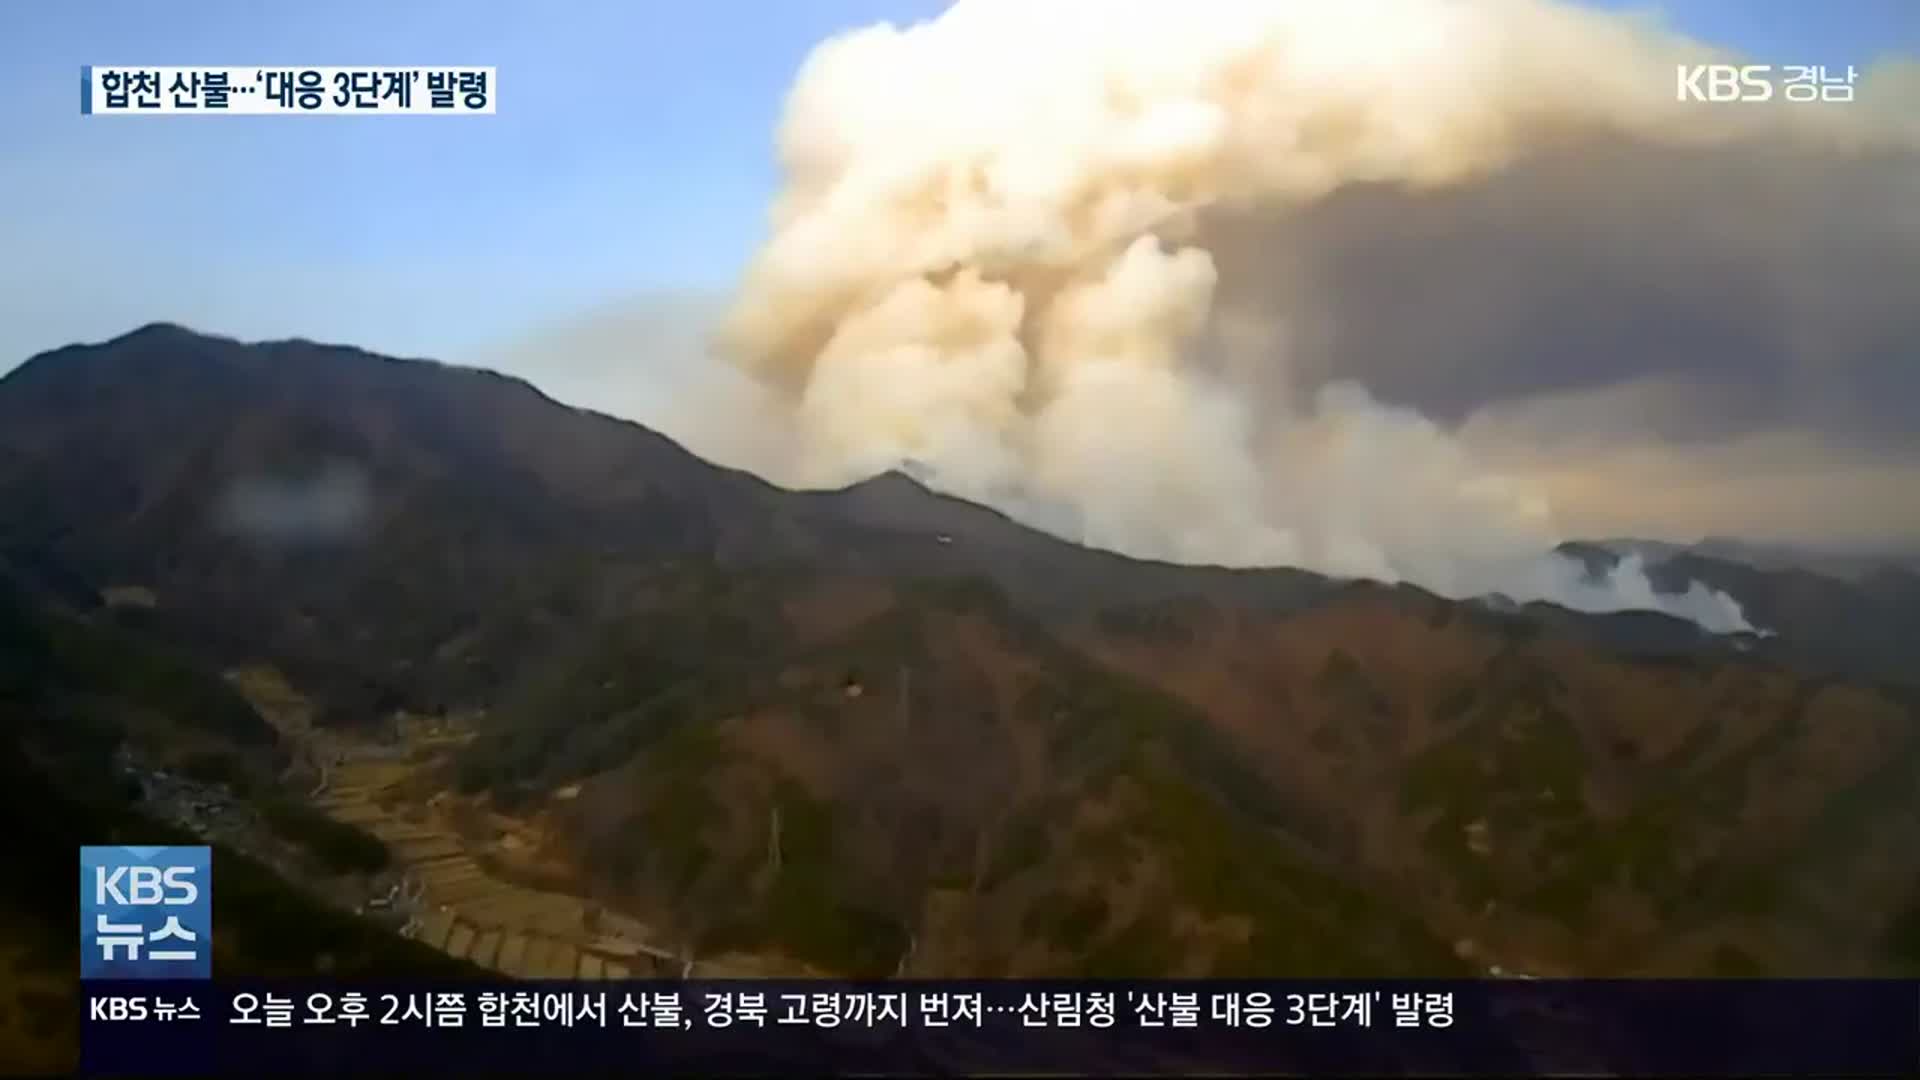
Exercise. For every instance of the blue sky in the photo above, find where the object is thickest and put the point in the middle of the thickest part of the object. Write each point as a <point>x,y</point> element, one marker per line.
<point>632,154</point>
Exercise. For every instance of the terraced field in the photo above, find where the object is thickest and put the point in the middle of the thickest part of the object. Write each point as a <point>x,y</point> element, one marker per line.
<point>455,903</point>
<point>462,908</point>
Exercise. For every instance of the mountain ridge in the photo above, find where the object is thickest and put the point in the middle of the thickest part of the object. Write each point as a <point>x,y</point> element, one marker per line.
<point>893,500</point>
<point>894,521</point>
<point>975,742</point>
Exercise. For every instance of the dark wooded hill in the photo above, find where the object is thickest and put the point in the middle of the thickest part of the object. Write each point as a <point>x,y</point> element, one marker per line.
<point>999,750</point>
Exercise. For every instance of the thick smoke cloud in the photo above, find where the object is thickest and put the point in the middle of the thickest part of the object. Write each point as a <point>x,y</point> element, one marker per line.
<point>1221,282</point>
<point>1660,339</point>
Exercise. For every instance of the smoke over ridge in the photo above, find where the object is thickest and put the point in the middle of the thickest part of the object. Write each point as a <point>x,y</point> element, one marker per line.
<point>1037,248</point>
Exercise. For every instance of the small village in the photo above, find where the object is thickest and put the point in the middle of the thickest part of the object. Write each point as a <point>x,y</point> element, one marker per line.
<point>438,889</point>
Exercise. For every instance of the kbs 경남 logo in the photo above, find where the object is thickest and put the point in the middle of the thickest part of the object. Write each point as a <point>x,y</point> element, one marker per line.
<point>146,912</point>
<point>1725,82</point>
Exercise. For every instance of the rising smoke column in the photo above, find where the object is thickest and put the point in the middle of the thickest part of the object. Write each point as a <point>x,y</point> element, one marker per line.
<point>992,257</point>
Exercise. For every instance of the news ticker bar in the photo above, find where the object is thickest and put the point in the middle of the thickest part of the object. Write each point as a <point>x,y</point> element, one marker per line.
<point>311,91</point>
<point>1721,1028</point>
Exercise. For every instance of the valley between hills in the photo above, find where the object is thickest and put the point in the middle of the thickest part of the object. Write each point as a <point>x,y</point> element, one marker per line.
<point>549,695</point>
<point>465,880</point>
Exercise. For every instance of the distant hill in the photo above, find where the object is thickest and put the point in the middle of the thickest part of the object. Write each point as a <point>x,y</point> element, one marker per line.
<point>1852,618</point>
<point>1846,565</point>
<point>124,459</point>
<point>881,727</point>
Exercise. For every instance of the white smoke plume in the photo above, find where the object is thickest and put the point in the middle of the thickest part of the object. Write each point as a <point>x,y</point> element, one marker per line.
<point>331,505</point>
<point>995,255</point>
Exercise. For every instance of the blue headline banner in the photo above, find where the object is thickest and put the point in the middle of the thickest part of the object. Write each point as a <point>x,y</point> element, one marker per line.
<point>1728,1028</point>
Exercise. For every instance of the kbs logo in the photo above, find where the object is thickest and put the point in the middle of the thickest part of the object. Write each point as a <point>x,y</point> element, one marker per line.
<point>117,1008</point>
<point>1725,82</point>
<point>146,912</point>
